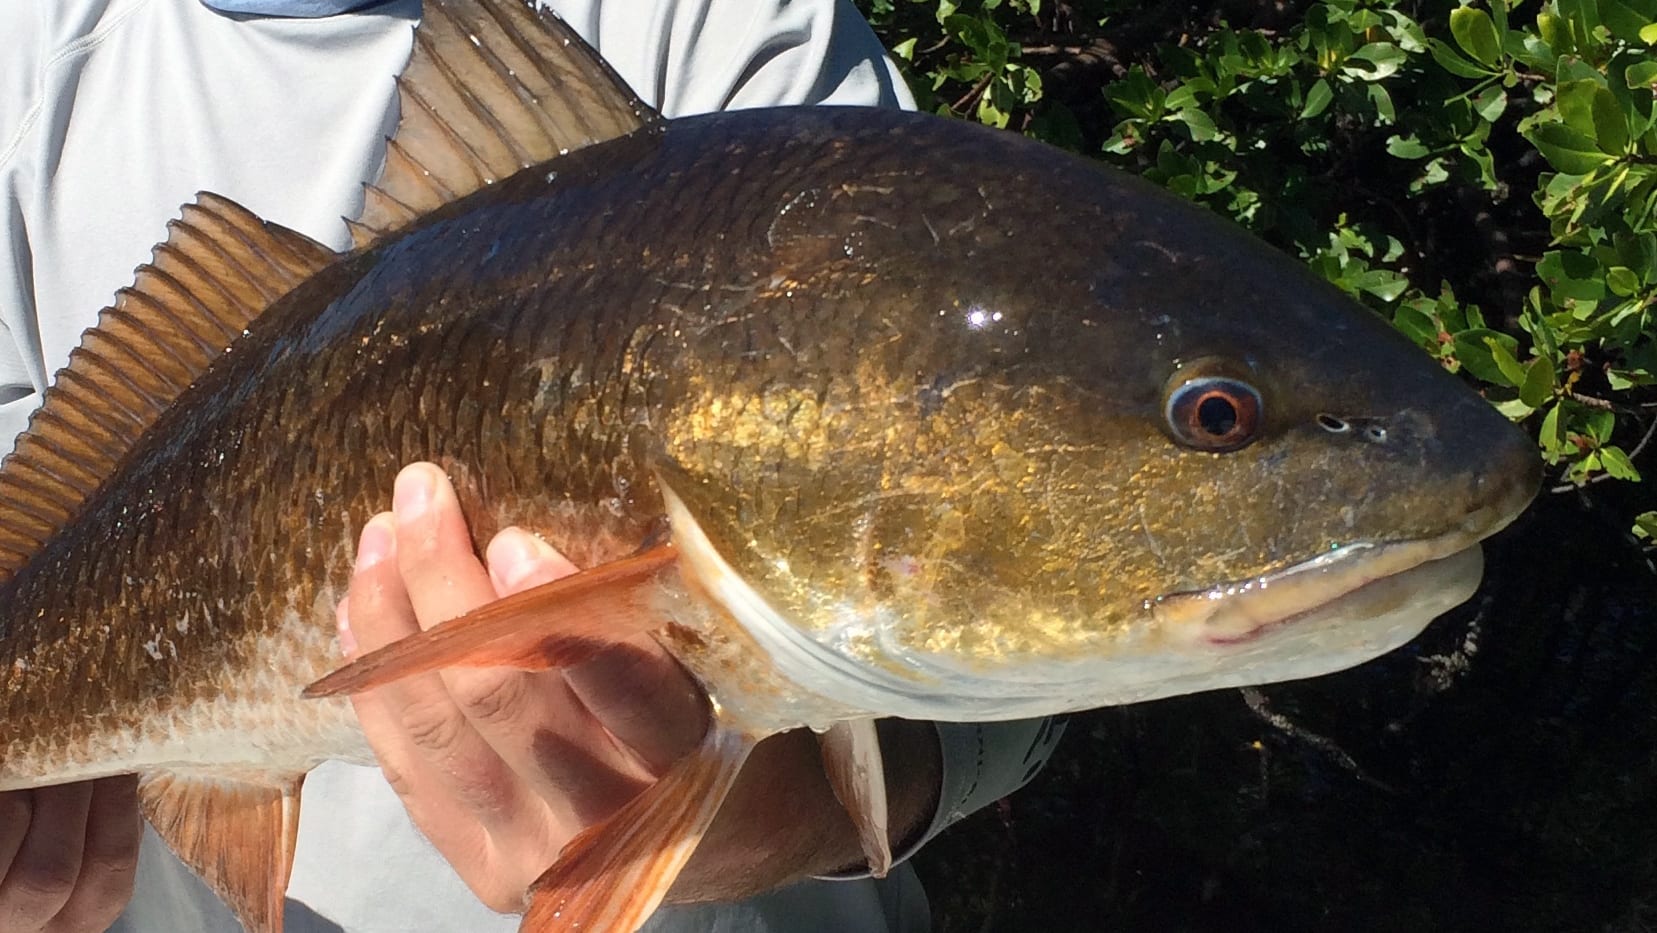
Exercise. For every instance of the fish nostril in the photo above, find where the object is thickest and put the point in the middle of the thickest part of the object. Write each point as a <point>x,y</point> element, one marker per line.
<point>1375,434</point>
<point>1332,424</point>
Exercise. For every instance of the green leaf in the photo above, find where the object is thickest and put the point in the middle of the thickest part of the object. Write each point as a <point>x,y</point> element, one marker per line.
<point>1473,350</point>
<point>1476,35</point>
<point>1385,112</point>
<point>1317,99</point>
<point>1514,410</point>
<point>1383,58</point>
<point>1617,464</point>
<point>1490,103</point>
<point>1452,61</point>
<point>1513,373</point>
<point>1610,124</point>
<point>1182,97</point>
<point>1538,385</point>
<point>1621,21</point>
<point>1575,69</point>
<point>1381,283</point>
<point>1566,149</point>
<point>1622,281</point>
<point>1417,323</point>
<point>1582,17</point>
<point>1645,526</point>
<point>1648,34</point>
<point>1642,74</point>
<point>1570,274</point>
<point>1406,147</point>
<point>1531,49</point>
<point>991,115</point>
<point>1554,32</point>
<point>1599,425</point>
<point>1575,102</point>
<point>1200,124</point>
<point>1549,436</point>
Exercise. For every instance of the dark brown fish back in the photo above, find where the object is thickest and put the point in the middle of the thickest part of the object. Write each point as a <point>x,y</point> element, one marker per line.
<point>229,517</point>
<point>490,89</point>
<point>219,268</point>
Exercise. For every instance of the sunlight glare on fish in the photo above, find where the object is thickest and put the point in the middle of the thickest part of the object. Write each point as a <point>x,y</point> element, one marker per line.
<point>979,318</point>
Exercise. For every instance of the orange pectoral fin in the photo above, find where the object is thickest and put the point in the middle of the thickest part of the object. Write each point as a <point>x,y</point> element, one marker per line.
<point>557,624</point>
<point>611,877</point>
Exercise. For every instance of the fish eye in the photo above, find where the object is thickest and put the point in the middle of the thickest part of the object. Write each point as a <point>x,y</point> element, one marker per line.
<point>1213,413</point>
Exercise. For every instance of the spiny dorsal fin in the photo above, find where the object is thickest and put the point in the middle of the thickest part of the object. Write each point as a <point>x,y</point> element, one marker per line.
<point>493,86</point>
<point>237,836</point>
<point>219,269</point>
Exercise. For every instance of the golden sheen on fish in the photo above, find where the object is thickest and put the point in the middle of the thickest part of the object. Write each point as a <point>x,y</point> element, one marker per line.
<point>936,422</point>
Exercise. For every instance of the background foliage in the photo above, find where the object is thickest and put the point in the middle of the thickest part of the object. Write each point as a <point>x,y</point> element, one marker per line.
<point>1484,175</point>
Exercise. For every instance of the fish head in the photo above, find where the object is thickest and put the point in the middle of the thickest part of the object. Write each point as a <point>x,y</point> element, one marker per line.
<point>1018,434</point>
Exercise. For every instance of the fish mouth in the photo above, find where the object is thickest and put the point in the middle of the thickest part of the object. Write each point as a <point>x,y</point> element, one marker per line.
<point>1351,583</point>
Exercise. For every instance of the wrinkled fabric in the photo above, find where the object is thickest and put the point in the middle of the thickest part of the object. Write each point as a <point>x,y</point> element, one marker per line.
<point>299,8</point>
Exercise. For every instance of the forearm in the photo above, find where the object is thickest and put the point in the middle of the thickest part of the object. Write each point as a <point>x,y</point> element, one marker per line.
<point>782,822</point>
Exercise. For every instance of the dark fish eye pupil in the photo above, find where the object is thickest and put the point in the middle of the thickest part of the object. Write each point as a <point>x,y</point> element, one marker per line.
<point>1217,415</point>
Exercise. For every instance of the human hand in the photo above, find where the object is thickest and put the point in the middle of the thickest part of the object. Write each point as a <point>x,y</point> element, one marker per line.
<point>68,855</point>
<point>500,768</point>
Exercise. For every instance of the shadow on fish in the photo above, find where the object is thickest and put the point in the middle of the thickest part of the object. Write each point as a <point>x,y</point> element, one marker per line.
<point>943,424</point>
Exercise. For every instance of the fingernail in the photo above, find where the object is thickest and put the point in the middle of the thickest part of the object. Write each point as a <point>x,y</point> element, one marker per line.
<point>413,493</point>
<point>342,621</point>
<point>512,555</point>
<point>374,544</point>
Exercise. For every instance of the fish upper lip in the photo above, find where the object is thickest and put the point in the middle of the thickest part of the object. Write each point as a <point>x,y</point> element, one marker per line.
<point>1240,611</point>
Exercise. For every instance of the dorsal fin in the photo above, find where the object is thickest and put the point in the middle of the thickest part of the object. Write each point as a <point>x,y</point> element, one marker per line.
<point>218,270</point>
<point>493,86</point>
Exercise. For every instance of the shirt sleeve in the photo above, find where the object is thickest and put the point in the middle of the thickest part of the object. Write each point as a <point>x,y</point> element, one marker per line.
<point>19,107</point>
<point>981,763</point>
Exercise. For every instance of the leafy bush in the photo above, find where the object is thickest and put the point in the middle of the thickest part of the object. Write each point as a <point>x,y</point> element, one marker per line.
<point>1484,175</point>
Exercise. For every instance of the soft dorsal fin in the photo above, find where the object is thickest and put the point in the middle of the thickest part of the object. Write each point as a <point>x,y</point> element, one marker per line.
<point>237,836</point>
<point>218,270</point>
<point>493,86</point>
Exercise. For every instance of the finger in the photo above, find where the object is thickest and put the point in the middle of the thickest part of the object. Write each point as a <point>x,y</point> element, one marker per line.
<point>419,737</point>
<point>109,861</point>
<point>42,876</point>
<point>434,549</point>
<point>519,561</point>
<point>645,698</point>
<point>638,692</point>
<point>16,809</point>
<point>535,722</point>
<point>444,579</point>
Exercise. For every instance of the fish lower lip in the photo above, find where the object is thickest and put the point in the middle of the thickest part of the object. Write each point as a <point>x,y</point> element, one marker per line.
<point>1359,578</point>
<point>1348,577</point>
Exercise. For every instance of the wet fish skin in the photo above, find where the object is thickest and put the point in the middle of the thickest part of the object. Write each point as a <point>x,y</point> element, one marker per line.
<point>777,311</point>
<point>996,482</point>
